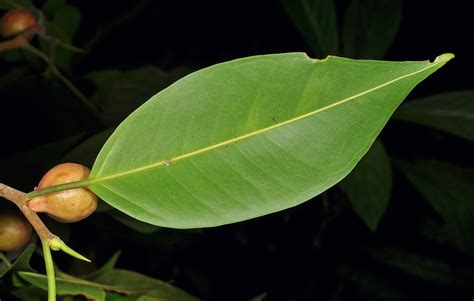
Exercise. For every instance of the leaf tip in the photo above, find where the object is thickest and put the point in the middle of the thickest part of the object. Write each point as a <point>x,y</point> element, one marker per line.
<point>445,57</point>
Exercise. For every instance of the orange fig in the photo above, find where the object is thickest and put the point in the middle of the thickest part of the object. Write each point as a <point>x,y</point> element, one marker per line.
<point>69,205</point>
<point>15,230</point>
<point>16,21</point>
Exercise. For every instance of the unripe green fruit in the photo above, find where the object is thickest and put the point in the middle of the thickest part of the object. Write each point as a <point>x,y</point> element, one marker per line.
<point>16,21</point>
<point>15,230</point>
<point>70,205</point>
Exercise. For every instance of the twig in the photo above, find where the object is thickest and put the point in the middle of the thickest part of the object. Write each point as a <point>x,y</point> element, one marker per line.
<point>19,199</point>
<point>86,101</point>
<point>18,42</point>
<point>22,42</point>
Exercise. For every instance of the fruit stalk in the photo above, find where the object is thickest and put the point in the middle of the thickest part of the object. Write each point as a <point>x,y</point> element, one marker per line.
<point>48,262</point>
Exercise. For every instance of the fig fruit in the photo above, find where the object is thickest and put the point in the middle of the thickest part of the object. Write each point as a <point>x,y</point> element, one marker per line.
<point>70,205</point>
<point>16,21</point>
<point>15,230</point>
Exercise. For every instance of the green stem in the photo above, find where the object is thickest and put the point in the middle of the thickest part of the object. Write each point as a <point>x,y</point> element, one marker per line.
<point>56,188</point>
<point>48,261</point>
<point>5,259</point>
<point>85,101</point>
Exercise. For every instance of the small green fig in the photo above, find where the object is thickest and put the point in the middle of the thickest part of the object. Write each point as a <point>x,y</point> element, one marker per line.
<point>15,230</point>
<point>70,205</point>
<point>16,21</point>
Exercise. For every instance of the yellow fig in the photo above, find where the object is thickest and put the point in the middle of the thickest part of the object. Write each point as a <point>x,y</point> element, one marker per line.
<point>15,230</point>
<point>16,21</point>
<point>70,205</point>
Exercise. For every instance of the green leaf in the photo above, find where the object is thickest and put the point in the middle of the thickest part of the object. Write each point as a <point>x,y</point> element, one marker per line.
<point>30,293</point>
<point>437,231</point>
<point>452,112</point>
<point>372,285</point>
<point>15,4</point>
<point>370,26</point>
<point>120,93</point>
<point>421,266</point>
<point>248,137</point>
<point>67,286</point>
<point>449,190</point>
<point>108,266</point>
<point>132,283</point>
<point>368,185</point>
<point>116,280</point>
<point>112,296</point>
<point>22,263</point>
<point>50,6</point>
<point>102,77</point>
<point>65,20</point>
<point>424,267</point>
<point>316,20</point>
<point>85,153</point>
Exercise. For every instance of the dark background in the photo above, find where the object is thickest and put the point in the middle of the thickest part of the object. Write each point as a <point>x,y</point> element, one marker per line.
<point>319,250</point>
<point>198,34</point>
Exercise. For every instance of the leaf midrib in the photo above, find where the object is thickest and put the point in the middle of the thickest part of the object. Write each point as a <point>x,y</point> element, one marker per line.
<point>169,161</point>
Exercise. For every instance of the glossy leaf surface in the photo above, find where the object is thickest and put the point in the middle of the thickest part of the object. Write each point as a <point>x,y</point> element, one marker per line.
<point>249,137</point>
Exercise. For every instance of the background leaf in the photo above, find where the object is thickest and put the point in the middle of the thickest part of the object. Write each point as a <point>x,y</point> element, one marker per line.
<point>316,20</point>
<point>451,112</point>
<point>108,266</point>
<point>97,285</point>
<point>30,293</point>
<point>370,26</point>
<point>15,4</point>
<point>67,286</point>
<point>62,23</point>
<point>249,137</point>
<point>368,185</point>
<point>429,269</point>
<point>22,263</point>
<point>132,283</point>
<point>371,284</point>
<point>121,92</point>
<point>449,190</point>
<point>86,151</point>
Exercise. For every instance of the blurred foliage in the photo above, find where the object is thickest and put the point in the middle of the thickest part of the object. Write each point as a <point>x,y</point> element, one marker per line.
<point>401,233</point>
